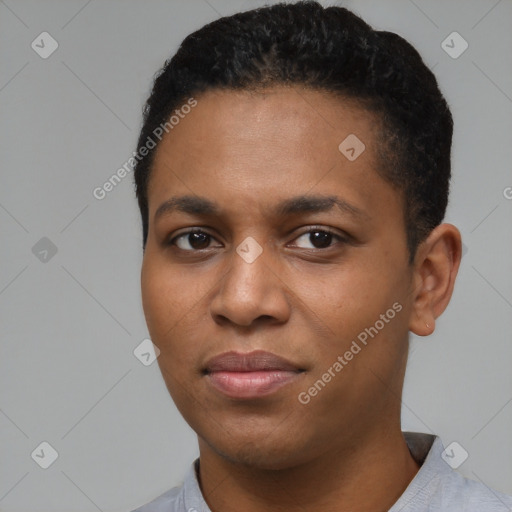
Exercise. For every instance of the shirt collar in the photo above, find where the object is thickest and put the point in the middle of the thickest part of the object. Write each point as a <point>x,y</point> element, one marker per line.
<point>426,450</point>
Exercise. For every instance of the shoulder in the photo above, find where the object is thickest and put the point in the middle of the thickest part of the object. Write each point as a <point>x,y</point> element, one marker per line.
<point>437,487</point>
<point>186,497</point>
<point>167,502</point>
<point>459,493</point>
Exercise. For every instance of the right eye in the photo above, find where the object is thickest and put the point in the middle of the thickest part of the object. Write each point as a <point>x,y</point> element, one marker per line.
<point>195,239</point>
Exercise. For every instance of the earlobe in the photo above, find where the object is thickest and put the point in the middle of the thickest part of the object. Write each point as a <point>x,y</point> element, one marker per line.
<point>436,266</point>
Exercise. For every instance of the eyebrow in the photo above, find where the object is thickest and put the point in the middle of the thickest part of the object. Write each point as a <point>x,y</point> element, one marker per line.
<point>197,205</point>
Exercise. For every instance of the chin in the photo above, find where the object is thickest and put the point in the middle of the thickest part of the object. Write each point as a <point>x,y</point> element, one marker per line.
<point>253,455</point>
<point>258,449</point>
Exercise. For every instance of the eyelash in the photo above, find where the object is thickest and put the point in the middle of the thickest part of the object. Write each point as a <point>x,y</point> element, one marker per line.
<point>313,229</point>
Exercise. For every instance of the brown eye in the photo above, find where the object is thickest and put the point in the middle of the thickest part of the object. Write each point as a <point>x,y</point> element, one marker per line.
<point>195,240</point>
<point>319,238</point>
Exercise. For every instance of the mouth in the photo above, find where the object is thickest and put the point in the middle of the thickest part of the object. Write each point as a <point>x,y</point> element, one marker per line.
<point>251,375</point>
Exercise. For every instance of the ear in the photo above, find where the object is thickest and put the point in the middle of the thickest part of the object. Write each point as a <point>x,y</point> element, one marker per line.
<point>435,268</point>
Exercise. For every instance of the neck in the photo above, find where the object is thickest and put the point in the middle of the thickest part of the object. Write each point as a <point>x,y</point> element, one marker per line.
<point>367,474</point>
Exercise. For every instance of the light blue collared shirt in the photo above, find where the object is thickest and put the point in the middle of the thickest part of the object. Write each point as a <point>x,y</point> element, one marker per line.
<point>435,488</point>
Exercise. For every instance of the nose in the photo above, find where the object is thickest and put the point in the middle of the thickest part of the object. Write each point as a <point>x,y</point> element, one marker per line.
<point>250,292</point>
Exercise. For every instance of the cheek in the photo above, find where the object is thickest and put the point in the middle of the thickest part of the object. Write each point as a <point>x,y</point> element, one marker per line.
<point>173,304</point>
<point>164,298</point>
<point>364,310</point>
<point>348,299</point>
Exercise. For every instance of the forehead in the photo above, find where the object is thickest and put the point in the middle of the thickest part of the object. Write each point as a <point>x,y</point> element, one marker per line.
<point>281,117</point>
<point>267,142</point>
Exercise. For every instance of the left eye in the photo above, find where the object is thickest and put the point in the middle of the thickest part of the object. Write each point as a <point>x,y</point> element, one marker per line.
<point>319,238</point>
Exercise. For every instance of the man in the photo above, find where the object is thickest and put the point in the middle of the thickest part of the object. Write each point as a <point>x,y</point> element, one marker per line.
<point>292,178</point>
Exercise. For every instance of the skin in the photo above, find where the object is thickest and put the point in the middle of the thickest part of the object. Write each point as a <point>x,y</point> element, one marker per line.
<point>306,302</point>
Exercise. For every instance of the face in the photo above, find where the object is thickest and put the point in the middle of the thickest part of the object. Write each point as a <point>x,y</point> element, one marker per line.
<point>297,249</point>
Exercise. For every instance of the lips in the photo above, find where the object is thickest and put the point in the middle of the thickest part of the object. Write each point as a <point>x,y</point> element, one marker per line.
<point>258,360</point>
<point>251,375</point>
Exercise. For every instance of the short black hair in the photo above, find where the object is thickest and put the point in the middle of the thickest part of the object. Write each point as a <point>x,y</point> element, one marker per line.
<point>327,49</point>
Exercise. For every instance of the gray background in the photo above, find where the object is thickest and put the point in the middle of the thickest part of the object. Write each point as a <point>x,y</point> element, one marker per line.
<point>69,324</point>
